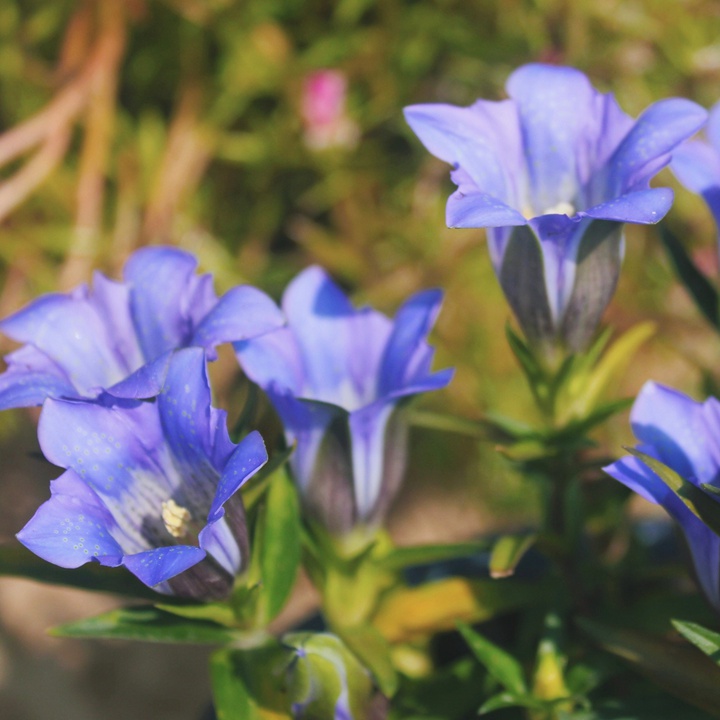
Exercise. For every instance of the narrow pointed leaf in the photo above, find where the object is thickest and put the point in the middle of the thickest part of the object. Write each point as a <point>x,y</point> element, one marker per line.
<point>706,640</point>
<point>403,557</point>
<point>700,288</point>
<point>507,552</point>
<point>677,669</point>
<point>501,665</point>
<point>231,698</point>
<point>277,544</point>
<point>445,423</point>
<point>149,625</point>
<point>216,612</point>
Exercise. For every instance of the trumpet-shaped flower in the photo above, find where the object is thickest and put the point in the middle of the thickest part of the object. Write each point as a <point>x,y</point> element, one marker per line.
<point>119,336</point>
<point>696,164</point>
<point>684,435</point>
<point>553,172</point>
<point>337,377</point>
<point>148,485</point>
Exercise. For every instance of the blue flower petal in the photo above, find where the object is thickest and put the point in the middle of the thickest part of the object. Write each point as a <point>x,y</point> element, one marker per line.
<point>274,357</point>
<point>243,312</point>
<point>188,424</point>
<point>167,299</point>
<point>70,330</point>
<point>161,564</point>
<point>247,458</point>
<point>72,527</point>
<point>645,207</point>
<point>675,425</point>
<point>469,208</point>
<point>662,127</point>
<point>408,355</point>
<point>318,311</point>
<point>31,376</point>
<point>484,140</point>
<point>556,106</point>
<point>120,453</point>
<point>146,382</point>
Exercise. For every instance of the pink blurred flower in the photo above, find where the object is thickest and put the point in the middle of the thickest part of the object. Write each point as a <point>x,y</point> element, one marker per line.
<point>324,113</point>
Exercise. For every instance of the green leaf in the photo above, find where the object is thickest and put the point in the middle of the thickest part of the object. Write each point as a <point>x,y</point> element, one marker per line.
<point>373,651</point>
<point>500,702</point>
<point>677,669</point>
<point>507,553</point>
<point>150,625</point>
<point>530,366</point>
<point>277,545</point>
<point>702,291</point>
<point>231,697</point>
<point>501,665</point>
<point>445,423</point>
<point>700,504</point>
<point>402,557</point>
<point>250,684</point>
<point>17,561</point>
<point>706,640</point>
<point>216,612</point>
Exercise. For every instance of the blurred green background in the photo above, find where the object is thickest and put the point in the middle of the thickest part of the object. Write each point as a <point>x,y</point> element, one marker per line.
<point>124,123</point>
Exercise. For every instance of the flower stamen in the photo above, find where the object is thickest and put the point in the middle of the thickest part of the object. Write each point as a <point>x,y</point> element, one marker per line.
<point>176,518</point>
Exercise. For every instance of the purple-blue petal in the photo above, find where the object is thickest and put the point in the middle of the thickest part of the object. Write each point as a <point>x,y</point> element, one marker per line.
<point>644,207</point>
<point>408,355</point>
<point>31,376</point>
<point>318,312</point>
<point>160,564</point>
<point>247,458</point>
<point>484,140</point>
<point>243,312</point>
<point>166,298</point>
<point>676,426</point>
<point>72,527</point>
<point>70,330</point>
<point>662,127</point>
<point>556,106</point>
<point>146,382</point>
<point>471,208</point>
<point>187,422</point>
<point>272,358</point>
<point>704,544</point>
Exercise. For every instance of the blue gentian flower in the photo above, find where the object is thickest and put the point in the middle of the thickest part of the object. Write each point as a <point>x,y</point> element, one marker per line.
<point>119,336</point>
<point>338,377</point>
<point>696,163</point>
<point>554,172</point>
<point>148,485</point>
<point>684,435</point>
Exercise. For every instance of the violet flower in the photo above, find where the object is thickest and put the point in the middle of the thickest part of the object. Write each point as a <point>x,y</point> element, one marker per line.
<point>148,485</point>
<point>338,377</point>
<point>684,435</point>
<point>119,337</point>
<point>553,173</point>
<point>696,163</point>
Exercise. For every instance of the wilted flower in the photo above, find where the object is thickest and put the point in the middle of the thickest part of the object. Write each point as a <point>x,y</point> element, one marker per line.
<point>684,435</point>
<point>148,485</point>
<point>338,378</point>
<point>554,172</point>
<point>119,336</point>
<point>324,111</point>
<point>696,163</point>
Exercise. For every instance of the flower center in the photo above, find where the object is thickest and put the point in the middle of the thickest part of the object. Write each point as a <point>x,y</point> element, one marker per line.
<point>176,518</point>
<point>562,208</point>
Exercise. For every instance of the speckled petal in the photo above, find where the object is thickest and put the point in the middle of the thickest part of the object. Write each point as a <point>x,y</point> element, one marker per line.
<point>72,527</point>
<point>156,566</point>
